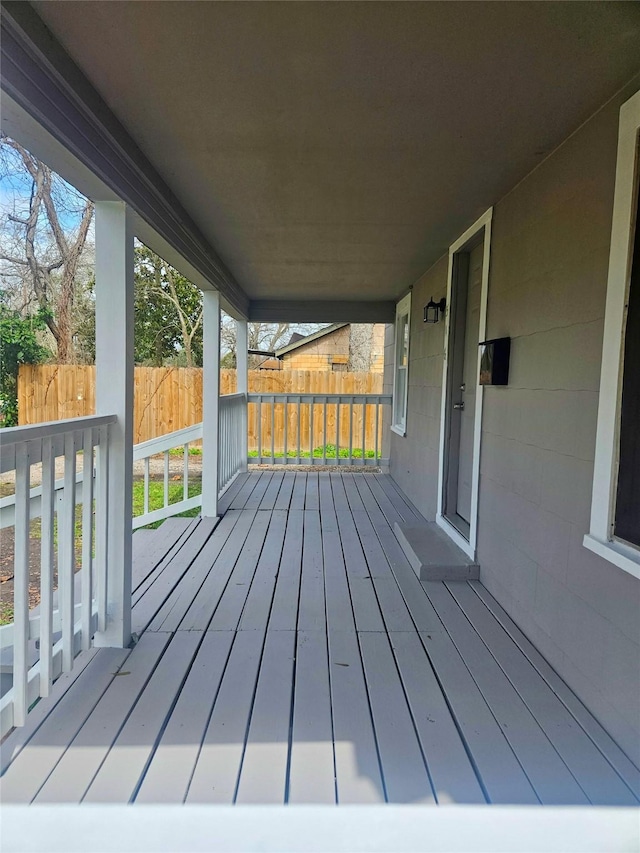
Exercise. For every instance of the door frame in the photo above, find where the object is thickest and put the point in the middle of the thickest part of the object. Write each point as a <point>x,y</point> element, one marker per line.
<point>468,546</point>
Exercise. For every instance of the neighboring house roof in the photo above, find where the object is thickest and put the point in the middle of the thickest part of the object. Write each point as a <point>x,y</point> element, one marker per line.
<point>307,340</point>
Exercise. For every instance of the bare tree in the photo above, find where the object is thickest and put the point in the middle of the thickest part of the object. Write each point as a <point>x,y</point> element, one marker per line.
<point>267,337</point>
<point>360,345</point>
<point>41,253</point>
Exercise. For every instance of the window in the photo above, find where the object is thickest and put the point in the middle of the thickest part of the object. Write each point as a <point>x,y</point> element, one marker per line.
<point>615,504</point>
<point>401,368</point>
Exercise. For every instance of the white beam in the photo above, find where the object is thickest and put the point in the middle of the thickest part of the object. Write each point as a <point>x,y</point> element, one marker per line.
<point>210,397</point>
<point>114,396</point>
<point>242,382</point>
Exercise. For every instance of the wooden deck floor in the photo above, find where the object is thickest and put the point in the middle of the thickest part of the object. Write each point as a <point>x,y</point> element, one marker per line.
<point>290,655</point>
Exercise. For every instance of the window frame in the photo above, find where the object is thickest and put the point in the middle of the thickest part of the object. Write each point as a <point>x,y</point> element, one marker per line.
<point>403,309</point>
<point>600,538</point>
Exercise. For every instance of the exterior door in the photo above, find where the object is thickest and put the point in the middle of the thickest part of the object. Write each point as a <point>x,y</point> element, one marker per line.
<point>462,378</point>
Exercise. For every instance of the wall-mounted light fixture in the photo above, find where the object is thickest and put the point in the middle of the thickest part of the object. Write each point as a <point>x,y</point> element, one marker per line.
<point>433,310</point>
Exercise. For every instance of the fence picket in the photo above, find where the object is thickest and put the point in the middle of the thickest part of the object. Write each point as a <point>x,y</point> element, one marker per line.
<point>170,398</point>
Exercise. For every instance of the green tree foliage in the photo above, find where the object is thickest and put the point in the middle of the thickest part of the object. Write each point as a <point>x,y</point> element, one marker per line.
<point>18,345</point>
<point>168,314</point>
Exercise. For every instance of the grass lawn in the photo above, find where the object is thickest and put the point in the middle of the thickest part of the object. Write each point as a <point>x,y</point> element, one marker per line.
<point>156,498</point>
<point>318,453</point>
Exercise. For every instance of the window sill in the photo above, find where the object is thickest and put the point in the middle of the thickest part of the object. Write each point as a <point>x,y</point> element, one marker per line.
<point>623,556</point>
<point>398,430</point>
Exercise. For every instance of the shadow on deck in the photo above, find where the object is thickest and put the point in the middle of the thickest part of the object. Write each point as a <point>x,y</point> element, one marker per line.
<point>289,654</point>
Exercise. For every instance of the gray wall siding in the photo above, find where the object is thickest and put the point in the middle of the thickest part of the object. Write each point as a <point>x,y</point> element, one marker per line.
<point>414,457</point>
<point>549,259</point>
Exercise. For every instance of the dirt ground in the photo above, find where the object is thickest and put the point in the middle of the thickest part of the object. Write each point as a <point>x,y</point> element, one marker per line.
<point>7,535</point>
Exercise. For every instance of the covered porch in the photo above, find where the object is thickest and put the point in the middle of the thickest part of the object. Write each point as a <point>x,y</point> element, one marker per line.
<point>289,654</point>
<point>338,163</point>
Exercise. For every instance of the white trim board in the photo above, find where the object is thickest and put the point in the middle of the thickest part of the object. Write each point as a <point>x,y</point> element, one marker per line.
<point>403,306</point>
<point>374,829</point>
<point>600,537</point>
<point>468,546</point>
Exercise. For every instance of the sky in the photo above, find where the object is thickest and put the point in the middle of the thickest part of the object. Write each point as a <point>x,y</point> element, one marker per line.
<point>15,191</point>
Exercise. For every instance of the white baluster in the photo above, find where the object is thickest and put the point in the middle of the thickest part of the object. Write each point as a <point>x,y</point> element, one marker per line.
<point>21,586</point>
<point>102,526</point>
<point>66,566</point>
<point>46,567</point>
<point>87,538</point>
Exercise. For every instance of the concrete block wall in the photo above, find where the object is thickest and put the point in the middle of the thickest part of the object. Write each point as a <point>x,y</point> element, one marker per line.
<point>547,288</point>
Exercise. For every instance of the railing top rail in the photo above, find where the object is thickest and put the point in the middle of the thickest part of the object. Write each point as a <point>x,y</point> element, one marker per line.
<point>230,397</point>
<point>167,442</point>
<point>346,399</point>
<point>34,432</point>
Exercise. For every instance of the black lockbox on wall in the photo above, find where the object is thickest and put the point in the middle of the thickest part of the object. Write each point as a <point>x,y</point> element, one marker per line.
<point>494,361</point>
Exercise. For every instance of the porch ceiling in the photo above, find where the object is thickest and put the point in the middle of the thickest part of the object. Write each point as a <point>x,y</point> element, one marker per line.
<point>333,151</point>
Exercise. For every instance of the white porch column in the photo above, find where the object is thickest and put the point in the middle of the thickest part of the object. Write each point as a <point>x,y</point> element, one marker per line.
<point>114,396</point>
<point>210,397</point>
<point>242,382</point>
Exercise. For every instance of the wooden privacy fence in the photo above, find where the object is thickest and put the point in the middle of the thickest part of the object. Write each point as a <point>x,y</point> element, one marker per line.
<point>170,398</point>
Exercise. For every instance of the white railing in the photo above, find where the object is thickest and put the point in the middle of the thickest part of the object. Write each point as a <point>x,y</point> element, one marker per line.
<point>159,452</point>
<point>316,429</point>
<point>231,438</point>
<point>61,625</point>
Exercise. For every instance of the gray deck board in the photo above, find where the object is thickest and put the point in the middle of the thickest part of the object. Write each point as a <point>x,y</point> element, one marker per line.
<point>284,607</point>
<point>592,771</point>
<point>263,775</point>
<point>232,491</point>
<point>358,771</point>
<point>299,490</point>
<point>229,609</point>
<point>339,610</point>
<point>549,775</point>
<point>171,545</point>
<point>312,772</point>
<point>123,768</point>
<point>405,775</point>
<point>400,501</point>
<point>175,607</point>
<point>38,758</point>
<point>311,606</point>
<point>92,745</point>
<point>312,496</point>
<point>365,605</point>
<point>292,655</point>
<point>257,606</point>
<point>273,489</point>
<point>170,770</point>
<point>453,776</point>
<point>340,501</point>
<point>603,740</point>
<point>242,495</point>
<point>352,493</point>
<point>286,490</point>
<point>218,765</point>
<point>18,738</point>
<point>203,606</point>
<point>145,609</point>
<point>255,498</point>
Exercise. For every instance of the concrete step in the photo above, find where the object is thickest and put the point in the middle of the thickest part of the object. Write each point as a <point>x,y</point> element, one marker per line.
<point>433,556</point>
